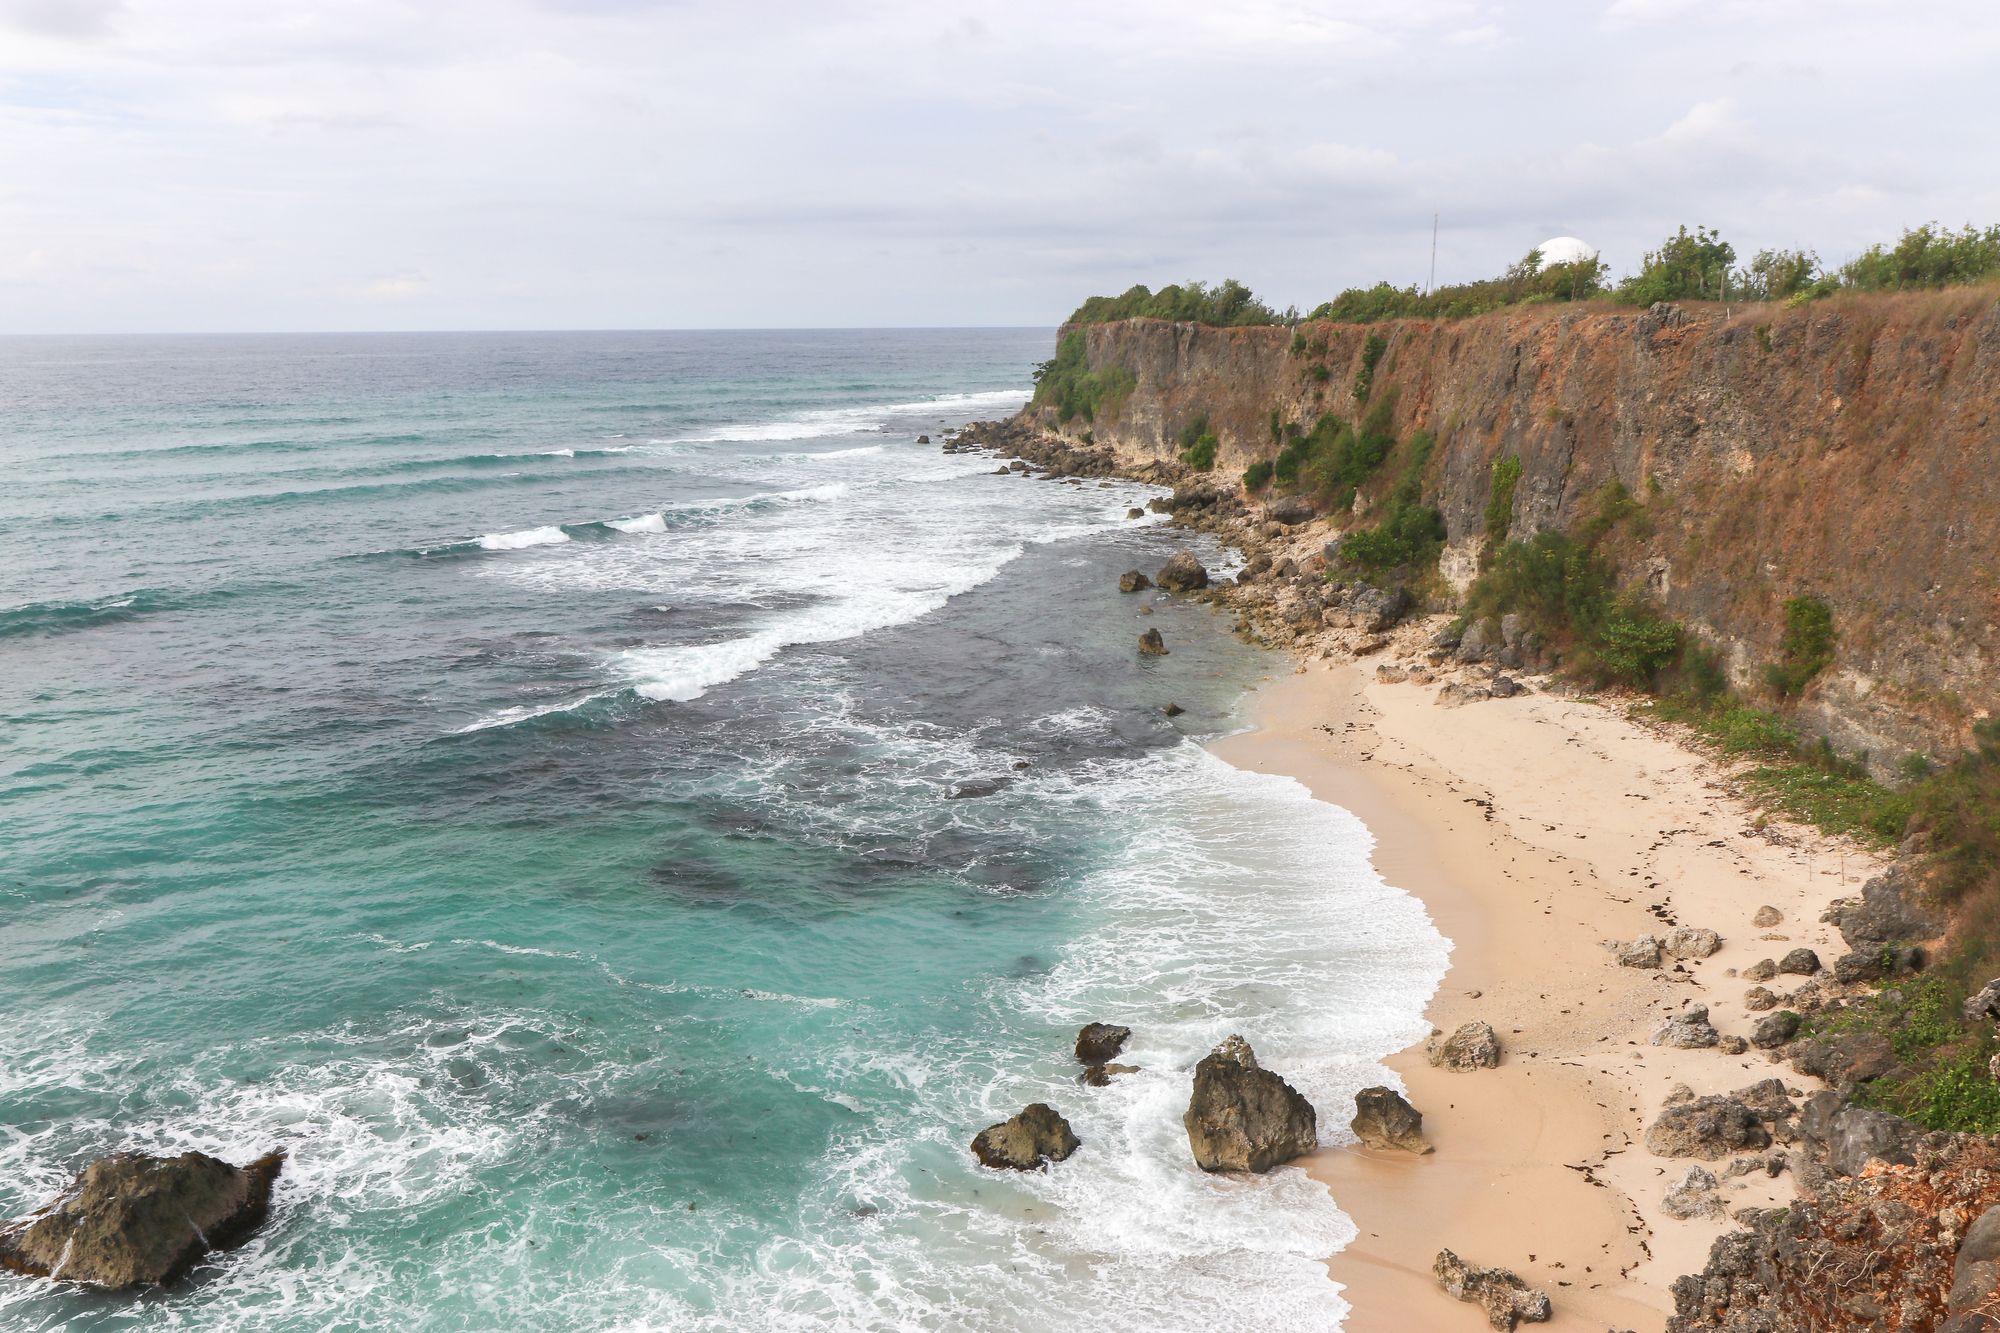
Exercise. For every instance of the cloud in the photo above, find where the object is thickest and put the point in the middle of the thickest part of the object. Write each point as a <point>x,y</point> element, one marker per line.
<point>59,18</point>
<point>546,163</point>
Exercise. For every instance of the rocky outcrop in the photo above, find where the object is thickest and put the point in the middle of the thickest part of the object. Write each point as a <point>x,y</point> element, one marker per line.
<point>1133,581</point>
<point>1708,1128</point>
<point>1243,1117</point>
<point>1028,1141</point>
<point>1384,1119</point>
<point>1890,911</point>
<point>133,1220</point>
<point>1506,1299</point>
<point>1182,573</point>
<point>1899,1249</point>
<point>1473,1045</point>
<point>1098,1042</point>
<point>1152,644</point>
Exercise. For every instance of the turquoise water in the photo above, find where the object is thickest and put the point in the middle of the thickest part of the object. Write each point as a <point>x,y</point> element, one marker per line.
<point>515,775</point>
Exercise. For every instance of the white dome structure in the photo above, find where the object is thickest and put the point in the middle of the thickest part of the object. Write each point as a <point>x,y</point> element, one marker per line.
<point>1565,250</point>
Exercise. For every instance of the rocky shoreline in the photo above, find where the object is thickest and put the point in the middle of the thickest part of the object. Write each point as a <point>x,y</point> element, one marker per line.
<point>1890,1228</point>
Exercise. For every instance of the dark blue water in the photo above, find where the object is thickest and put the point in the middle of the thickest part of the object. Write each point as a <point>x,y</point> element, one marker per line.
<point>514,774</point>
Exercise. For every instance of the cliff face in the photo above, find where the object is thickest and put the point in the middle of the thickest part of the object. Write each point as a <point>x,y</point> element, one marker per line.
<point>1848,449</point>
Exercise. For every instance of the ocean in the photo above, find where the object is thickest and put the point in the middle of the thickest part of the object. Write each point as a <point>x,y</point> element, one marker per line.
<point>622,813</point>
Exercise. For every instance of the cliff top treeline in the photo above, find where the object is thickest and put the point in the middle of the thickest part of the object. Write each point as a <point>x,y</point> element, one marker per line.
<point>1689,265</point>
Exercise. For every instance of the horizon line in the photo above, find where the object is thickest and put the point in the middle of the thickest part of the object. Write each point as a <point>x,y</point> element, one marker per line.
<point>344,333</point>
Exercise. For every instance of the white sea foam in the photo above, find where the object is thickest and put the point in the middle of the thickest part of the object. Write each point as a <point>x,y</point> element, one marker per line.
<point>1230,902</point>
<point>641,523</point>
<point>507,717</point>
<point>851,420</point>
<point>515,541</point>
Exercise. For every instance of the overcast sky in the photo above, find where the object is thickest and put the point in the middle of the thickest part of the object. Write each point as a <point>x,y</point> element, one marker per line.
<point>410,164</point>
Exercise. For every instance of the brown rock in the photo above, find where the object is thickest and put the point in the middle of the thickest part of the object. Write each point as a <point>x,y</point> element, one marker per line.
<point>133,1220</point>
<point>1027,1142</point>
<point>1243,1117</point>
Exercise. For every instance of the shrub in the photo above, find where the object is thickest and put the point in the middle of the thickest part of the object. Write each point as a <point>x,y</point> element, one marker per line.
<point>1228,304</point>
<point>1258,475</point>
<point>1067,383</point>
<point>1410,533</point>
<point>1198,445</point>
<point>1960,807</point>
<point>1777,275</point>
<point>1371,353</point>
<point>1688,265</point>
<point>1807,647</point>
<point>1528,281</point>
<point>1926,256</point>
<point>1500,499</point>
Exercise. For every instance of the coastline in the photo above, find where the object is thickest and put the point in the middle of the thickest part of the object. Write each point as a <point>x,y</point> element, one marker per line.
<point>1534,830</point>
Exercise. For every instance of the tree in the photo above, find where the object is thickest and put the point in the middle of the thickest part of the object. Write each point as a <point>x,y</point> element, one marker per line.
<point>1689,265</point>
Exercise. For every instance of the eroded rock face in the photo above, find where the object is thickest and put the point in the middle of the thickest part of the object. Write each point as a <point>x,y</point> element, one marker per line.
<point>1243,1117</point>
<point>132,1219</point>
<point>1708,1128</point>
<point>1473,1045</point>
<point>1026,1142</point>
<point>1182,573</point>
<point>1384,1118</point>
<point>1505,1298</point>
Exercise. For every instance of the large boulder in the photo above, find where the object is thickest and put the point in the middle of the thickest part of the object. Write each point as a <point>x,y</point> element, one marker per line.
<point>1243,1117</point>
<point>1027,1142</point>
<point>1133,581</point>
<point>1800,962</point>
<point>1384,1118</point>
<point>1709,1128</point>
<point>1473,1045</point>
<point>1505,1298</point>
<point>1849,1137</point>
<point>1182,573</point>
<point>1774,1030</point>
<point>1291,510</point>
<point>133,1220</point>
<point>1376,609</point>
<point>1152,644</point>
<point>1689,1030</point>
<point>1889,911</point>
<point>1974,1302</point>
<point>1644,952</point>
<point>1098,1042</point>
<point>1691,942</point>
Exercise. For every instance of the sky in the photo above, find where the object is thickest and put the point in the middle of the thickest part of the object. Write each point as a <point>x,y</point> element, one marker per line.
<point>220,165</point>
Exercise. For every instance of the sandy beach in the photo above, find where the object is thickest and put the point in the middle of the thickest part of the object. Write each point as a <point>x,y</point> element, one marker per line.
<point>1535,829</point>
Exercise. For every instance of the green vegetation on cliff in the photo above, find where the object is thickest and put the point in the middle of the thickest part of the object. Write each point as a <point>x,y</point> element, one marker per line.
<point>1526,282</point>
<point>1410,533</point>
<point>1227,304</point>
<point>1066,383</point>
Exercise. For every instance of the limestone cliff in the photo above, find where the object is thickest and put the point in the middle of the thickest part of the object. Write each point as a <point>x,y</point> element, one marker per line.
<point>1848,449</point>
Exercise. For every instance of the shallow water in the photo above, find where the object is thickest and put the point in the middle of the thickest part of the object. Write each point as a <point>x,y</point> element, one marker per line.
<point>512,773</point>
